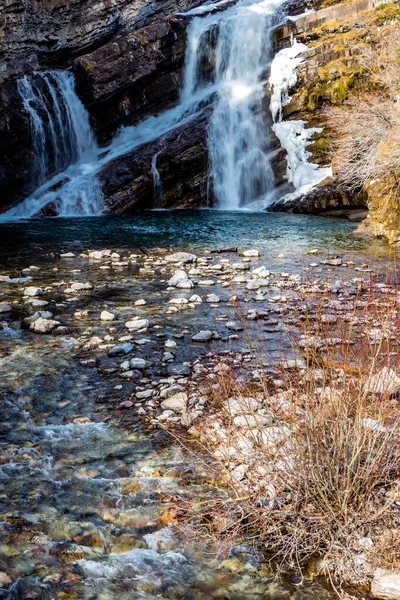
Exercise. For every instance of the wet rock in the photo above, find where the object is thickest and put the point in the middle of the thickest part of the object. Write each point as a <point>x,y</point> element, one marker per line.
<point>33,291</point>
<point>121,349</point>
<point>181,257</point>
<point>79,286</point>
<point>137,325</point>
<point>212,299</point>
<point>4,307</point>
<point>203,336</point>
<point>43,325</point>
<point>180,279</point>
<point>106,316</point>
<point>139,363</point>
<point>40,314</point>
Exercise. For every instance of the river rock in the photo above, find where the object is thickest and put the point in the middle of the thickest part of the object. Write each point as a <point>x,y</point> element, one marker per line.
<point>202,336</point>
<point>43,325</point>
<point>177,402</point>
<point>386,584</point>
<point>181,257</point>
<point>181,280</point>
<point>79,286</point>
<point>107,316</point>
<point>250,253</point>
<point>33,291</point>
<point>4,307</point>
<point>139,363</point>
<point>120,349</point>
<point>137,325</point>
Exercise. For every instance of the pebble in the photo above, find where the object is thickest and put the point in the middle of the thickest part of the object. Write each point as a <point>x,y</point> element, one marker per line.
<point>202,336</point>
<point>107,316</point>
<point>33,291</point>
<point>137,325</point>
<point>120,349</point>
<point>41,325</point>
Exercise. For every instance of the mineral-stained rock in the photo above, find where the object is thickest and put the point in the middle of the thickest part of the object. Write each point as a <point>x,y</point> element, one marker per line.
<point>127,181</point>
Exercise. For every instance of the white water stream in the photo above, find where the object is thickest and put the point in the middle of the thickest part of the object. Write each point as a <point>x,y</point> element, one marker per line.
<point>236,45</point>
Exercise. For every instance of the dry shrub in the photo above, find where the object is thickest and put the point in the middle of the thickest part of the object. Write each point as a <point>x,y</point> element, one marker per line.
<point>367,126</point>
<point>310,456</point>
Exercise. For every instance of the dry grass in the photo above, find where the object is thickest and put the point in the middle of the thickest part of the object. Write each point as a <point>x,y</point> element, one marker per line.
<point>368,125</point>
<point>310,454</point>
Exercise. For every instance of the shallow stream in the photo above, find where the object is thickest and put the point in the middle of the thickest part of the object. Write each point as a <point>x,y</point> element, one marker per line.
<point>86,489</point>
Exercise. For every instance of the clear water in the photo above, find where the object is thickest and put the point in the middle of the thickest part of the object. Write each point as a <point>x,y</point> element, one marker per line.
<point>80,502</point>
<point>276,233</point>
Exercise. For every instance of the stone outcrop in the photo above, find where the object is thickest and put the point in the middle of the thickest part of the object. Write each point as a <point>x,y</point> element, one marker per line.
<point>325,198</point>
<point>132,76</point>
<point>41,33</point>
<point>182,163</point>
<point>127,77</point>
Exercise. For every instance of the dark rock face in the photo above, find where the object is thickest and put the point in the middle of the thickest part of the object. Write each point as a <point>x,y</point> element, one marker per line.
<point>182,162</point>
<point>133,76</point>
<point>323,199</point>
<point>51,32</point>
<point>15,147</point>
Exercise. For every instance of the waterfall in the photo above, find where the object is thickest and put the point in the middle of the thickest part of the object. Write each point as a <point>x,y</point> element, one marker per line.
<point>59,123</point>
<point>157,183</point>
<point>227,56</point>
<point>239,131</point>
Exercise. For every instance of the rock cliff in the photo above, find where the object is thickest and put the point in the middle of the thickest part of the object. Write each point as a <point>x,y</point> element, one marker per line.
<point>127,59</point>
<point>349,50</point>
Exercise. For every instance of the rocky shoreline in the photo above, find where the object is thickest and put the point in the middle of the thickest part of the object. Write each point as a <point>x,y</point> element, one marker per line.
<point>158,330</point>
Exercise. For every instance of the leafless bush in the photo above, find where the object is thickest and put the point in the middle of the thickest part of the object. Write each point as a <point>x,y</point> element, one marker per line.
<point>367,143</point>
<point>311,458</point>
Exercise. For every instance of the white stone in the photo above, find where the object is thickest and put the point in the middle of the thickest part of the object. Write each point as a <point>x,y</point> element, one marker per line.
<point>250,253</point>
<point>107,316</point>
<point>261,272</point>
<point>145,394</point>
<point>181,257</point>
<point>43,325</point>
<point>202,336</point>
<point>33,291</point>
<point>137,324</point>
<point>79,286</point>
<point>140,302</point>
<point>139,363</point>
<point>212,299</point>
<point>178,301</point>
<point>178,277</point>
<point>170,344</point>
<point>195,299</point>
<point>253,285</point>
<point>67,255</point>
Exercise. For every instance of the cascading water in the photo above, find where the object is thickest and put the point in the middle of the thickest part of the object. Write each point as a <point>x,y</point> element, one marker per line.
<point>239,142</point>
<point>60,128</point>
<point>227,56</point>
